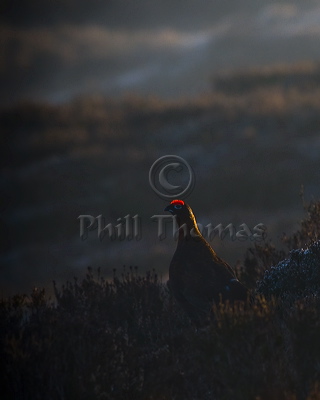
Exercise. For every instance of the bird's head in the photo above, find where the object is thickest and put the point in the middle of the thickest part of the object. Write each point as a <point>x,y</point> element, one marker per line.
<point>177,207</point>
<point>182,212</point>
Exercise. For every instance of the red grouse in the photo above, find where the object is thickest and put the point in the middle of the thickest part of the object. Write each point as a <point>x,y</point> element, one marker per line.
<point>197,276</point>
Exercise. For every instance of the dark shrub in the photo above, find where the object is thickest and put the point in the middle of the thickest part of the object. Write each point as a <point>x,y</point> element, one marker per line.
<point>295,277</point>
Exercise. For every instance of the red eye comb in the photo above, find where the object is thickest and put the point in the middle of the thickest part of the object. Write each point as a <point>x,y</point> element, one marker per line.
<point>181,202</point>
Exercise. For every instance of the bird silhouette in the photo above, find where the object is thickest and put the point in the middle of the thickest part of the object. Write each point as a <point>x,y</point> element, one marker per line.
<point>198,278</point>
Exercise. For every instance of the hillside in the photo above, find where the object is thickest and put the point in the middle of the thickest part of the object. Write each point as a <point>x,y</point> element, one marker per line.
<point>128,339</point>
<point>251,150</point>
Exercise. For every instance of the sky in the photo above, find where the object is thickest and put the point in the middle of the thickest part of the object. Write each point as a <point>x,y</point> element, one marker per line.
<point>55,51</point>
<point>169,49</point>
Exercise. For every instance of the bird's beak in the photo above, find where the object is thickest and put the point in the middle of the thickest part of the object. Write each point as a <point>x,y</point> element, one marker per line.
<point>167,208</point>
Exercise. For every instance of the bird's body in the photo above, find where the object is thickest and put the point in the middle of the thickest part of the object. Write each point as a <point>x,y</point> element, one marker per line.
<point>197,276</point>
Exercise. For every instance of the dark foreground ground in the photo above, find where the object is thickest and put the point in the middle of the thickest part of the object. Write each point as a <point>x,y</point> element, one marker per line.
<point>127,338</point>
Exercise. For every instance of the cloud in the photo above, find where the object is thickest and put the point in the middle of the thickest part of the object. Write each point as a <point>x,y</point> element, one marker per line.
<point>75,58</point>
<point>285,20</point>
<point>72,43</point>
<point>278,12</point>
<point>35,59</point>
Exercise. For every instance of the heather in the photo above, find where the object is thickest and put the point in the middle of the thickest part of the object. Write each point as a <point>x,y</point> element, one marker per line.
<point>126,338</point>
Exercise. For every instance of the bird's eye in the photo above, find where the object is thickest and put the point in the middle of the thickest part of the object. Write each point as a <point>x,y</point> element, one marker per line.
<point>177,206</point>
